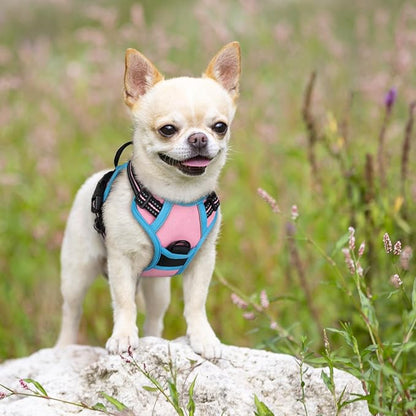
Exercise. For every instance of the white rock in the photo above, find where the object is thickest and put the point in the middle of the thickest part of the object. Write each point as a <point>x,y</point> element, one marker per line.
<point>223,387</point>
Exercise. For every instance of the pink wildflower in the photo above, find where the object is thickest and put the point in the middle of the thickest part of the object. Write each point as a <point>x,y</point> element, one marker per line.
<point>125,359</point>
<point>359,269</point>
<point>396,281</point>
<point>249,316</point>
<point>264,300</point>
<point>24,384</point>
<point>273,325</point>
<point>294,212</point>
<point>405,257</point>
<point>269,199</point>
<point>361,249</point>
<point>351,239</point>
<point>2,395</point>
<point>348,260</point>
<point>387,243</point>
<point>397,249</point>
<point>240,303</point>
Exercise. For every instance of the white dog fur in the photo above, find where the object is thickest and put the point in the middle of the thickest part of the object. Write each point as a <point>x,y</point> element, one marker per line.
<point>191,105</point>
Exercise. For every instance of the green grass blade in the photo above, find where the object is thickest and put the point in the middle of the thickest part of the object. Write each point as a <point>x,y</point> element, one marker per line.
<point>117,404</point>
<point>261,408</point>
<point>37,385</point>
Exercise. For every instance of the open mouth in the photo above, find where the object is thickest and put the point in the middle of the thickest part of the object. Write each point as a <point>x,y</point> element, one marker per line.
<point>194,166</point>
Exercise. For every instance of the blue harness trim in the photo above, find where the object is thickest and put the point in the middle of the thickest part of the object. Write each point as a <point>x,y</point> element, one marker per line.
<point>165,258</point>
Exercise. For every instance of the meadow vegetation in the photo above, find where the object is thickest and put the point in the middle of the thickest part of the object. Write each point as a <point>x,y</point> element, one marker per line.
<point>324,128</point>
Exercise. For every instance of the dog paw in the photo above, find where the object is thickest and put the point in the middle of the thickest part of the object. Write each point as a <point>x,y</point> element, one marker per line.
<point>121,344</point>
<point>209,347</point>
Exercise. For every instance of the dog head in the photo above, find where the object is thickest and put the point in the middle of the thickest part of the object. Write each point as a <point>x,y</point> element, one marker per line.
<point>181,125</point>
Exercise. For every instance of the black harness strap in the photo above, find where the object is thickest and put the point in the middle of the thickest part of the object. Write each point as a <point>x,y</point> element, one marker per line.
<point>97,202</point>
<point>144,198</point>
<point>212,203</point>
<point>119,152</point>
<point>97,199</point>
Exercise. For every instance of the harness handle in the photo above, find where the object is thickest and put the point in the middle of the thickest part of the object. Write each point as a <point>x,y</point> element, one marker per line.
<point>119,152</point>
<point>97,199</point>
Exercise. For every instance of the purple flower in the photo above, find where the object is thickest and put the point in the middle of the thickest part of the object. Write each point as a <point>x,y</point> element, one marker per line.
<point>390,98</point>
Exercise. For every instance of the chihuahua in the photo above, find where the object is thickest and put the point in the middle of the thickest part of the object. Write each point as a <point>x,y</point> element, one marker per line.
<point>180,141</point>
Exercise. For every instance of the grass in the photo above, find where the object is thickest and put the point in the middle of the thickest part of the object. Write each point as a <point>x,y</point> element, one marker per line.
<point>62,117</point>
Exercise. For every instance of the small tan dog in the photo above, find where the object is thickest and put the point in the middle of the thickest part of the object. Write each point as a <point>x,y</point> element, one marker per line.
<point>160,216</point>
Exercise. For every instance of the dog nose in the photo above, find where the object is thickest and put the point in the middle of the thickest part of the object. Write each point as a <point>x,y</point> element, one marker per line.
<point>198,140</point>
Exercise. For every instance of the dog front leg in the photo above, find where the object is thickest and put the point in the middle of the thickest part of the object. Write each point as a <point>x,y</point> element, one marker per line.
<point>156,292</point>
<point>196,282</point>
<point>123,282</point>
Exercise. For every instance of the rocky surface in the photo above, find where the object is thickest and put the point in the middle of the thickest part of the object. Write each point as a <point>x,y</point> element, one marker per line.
<point>226,386</point>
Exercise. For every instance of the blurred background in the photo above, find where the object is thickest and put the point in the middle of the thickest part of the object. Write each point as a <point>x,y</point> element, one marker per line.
<point>315,128</point>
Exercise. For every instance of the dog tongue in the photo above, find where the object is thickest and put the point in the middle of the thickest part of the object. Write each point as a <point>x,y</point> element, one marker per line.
<point>200,162</point>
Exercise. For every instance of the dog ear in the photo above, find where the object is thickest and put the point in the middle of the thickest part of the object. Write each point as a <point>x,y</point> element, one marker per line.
<point>139,76</point>
<point>225,68</point>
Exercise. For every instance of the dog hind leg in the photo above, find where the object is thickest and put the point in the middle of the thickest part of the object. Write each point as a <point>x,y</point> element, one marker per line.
<point>82,259</point>
<point>76,279</point>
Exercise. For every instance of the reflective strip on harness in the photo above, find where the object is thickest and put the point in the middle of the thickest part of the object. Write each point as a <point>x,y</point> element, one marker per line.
<point>177,231</point>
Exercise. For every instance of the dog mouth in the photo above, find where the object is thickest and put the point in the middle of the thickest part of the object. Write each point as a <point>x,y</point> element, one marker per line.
<point>193,166</point>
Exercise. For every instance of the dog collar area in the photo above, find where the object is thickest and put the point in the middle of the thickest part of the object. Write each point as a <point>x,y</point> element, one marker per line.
<point>177,231</point>
<point>153,205</point>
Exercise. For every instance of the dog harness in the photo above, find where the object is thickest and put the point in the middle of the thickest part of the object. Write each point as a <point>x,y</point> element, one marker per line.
<point>177,231</point>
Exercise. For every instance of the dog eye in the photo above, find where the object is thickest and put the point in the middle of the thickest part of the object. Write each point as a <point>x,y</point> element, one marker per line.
<point>220,127</point>
<point>168,130</point>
